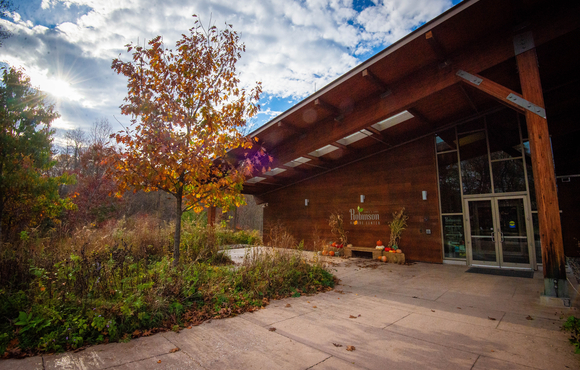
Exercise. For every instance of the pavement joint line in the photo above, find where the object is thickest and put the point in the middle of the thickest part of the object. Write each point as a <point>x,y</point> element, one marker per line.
<point>441,295</point>
<point>396,321</point>
<point>318,363</point>
<point>137,360</point>
<point>43,364</point>
<point>475,362</point>
<point>181,350</point>
<point>315,346</point>
<point>500,320</point>
<point>435,343</point>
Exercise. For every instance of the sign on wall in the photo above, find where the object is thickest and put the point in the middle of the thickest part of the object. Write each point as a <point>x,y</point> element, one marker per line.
<point>362,217</point>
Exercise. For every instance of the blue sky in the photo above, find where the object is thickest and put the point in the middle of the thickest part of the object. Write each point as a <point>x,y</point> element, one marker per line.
<point>292,46</point>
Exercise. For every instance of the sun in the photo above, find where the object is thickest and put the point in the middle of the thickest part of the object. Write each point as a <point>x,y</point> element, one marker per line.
<point>58,88</point>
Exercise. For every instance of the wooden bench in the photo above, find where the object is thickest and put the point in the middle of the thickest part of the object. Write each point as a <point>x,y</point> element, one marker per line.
<point>398,258</point>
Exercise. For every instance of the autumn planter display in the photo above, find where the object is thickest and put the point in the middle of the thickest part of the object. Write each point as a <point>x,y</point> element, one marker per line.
<point>333,250</point>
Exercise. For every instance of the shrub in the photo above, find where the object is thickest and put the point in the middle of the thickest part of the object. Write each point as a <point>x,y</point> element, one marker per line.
<point>573,326</point>
<point>118,282</point>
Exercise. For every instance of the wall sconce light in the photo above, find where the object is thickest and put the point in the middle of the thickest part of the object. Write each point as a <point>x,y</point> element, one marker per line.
<point>424,194</point>
<point>306,201</point>
<point>362,198</point>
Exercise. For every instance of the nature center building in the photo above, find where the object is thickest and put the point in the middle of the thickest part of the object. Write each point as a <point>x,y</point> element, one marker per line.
<point>471,123</point>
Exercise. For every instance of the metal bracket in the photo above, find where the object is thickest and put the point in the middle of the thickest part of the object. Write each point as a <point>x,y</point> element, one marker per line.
<point>523,42</point>
<point>527,105</point>
<point>469,77</point>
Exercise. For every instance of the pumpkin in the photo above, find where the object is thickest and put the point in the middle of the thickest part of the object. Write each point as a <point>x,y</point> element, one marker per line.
<point>331,253</point>
<point>384,258</point>
<point>379,243</point>
<point>334,244</point>
<point>324,253</point>
<point>399,251</point>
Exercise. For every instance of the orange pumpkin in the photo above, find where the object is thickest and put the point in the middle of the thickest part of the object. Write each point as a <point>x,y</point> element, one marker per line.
<point>399,251</point>
<point>324,253</point>
<point>334,244</point>
<point>384,258</point>
<point>380,243</point>
<point>331,253</point>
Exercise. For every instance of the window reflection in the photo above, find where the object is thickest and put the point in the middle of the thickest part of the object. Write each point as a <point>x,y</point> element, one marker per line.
<point>474,163</point>
<point>449,186</point>
<point>508,176</point>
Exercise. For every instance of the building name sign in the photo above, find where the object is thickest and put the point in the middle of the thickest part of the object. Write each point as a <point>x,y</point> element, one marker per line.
<point>361,217</point>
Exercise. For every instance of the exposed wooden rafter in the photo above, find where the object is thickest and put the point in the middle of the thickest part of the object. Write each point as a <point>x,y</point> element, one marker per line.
<point>469,99</point>
<point>288,127</point>
<point>444,61</point>
<point>369,76</point>
<point>338,116</point>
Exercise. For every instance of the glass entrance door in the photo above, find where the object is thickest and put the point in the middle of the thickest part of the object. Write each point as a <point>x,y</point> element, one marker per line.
<point>498,232</point>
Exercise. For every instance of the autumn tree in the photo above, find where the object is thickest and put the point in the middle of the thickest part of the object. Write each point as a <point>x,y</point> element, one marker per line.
<point>28,195</point>
<point>187,111</point>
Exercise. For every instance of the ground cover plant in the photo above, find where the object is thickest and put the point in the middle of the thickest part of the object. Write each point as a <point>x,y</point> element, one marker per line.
<point>119,282</point>
<point>573,326</point>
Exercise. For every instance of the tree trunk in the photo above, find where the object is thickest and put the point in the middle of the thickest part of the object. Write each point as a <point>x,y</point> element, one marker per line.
<point>177,237</point>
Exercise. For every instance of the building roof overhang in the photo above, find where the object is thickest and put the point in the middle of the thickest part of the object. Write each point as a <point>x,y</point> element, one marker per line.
<point>411,89</point>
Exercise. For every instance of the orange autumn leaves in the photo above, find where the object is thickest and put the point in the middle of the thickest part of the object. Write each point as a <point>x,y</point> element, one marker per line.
<point>187,113</point>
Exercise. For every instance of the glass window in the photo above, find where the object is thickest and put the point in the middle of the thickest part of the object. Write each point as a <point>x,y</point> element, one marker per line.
<point>449,187</point>
<point>508,176</point>
<point>474,163</point>
<point>504,135</point>
<point>453,238</point>
<point>446,140</point>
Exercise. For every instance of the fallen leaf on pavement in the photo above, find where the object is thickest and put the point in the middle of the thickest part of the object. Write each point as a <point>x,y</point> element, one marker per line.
<point>272,329</point>
<point>352,317</point>
<point>288,305</point>
<point>350,348</point>
<point>529,318</point>
<point>174,350</point>
<point>337,345</point>
<point>432,310</point>
<point>491,318</point>
<point>159,361</point>
<point>314,307</point>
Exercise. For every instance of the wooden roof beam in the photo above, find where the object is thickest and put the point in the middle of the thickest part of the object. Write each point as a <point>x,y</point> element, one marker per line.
<point>421,118</point>
<point>469,99</point>
<point>476,57</point>
<point>369,76</point>
<point>338,116</point>
<point>444,61</point>
<point>504,95</point>
<point>291,128</point>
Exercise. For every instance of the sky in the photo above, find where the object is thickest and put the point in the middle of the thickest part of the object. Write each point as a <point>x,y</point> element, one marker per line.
<point>294,47</point>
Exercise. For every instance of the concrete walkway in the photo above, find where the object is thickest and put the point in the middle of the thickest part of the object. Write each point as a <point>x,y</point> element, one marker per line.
<point>421,316</point>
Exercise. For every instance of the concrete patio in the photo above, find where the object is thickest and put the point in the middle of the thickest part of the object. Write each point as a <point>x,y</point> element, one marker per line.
<point>420,316</point>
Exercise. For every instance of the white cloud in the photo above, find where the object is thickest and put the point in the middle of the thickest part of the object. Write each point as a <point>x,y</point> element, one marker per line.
<point>291,45</point>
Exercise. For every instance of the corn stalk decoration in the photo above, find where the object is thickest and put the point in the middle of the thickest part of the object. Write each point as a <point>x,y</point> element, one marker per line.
<point>397,226</point>
<point>336,223</point>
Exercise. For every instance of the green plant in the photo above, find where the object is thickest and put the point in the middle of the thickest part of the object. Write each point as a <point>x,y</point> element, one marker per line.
<point>573,326</point>
<point>397,225</point>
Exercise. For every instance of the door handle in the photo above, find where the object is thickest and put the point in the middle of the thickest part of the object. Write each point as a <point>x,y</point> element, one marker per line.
<point>493,237</point>
<point>502,238</point>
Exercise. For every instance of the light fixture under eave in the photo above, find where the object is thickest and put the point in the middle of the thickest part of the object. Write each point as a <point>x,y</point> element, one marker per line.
<point>392,121</point>
<point>324,150</point>
<point>359,135</point>
<point>255,180</point>
<point>274,171</point>
<point>297,162</point>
